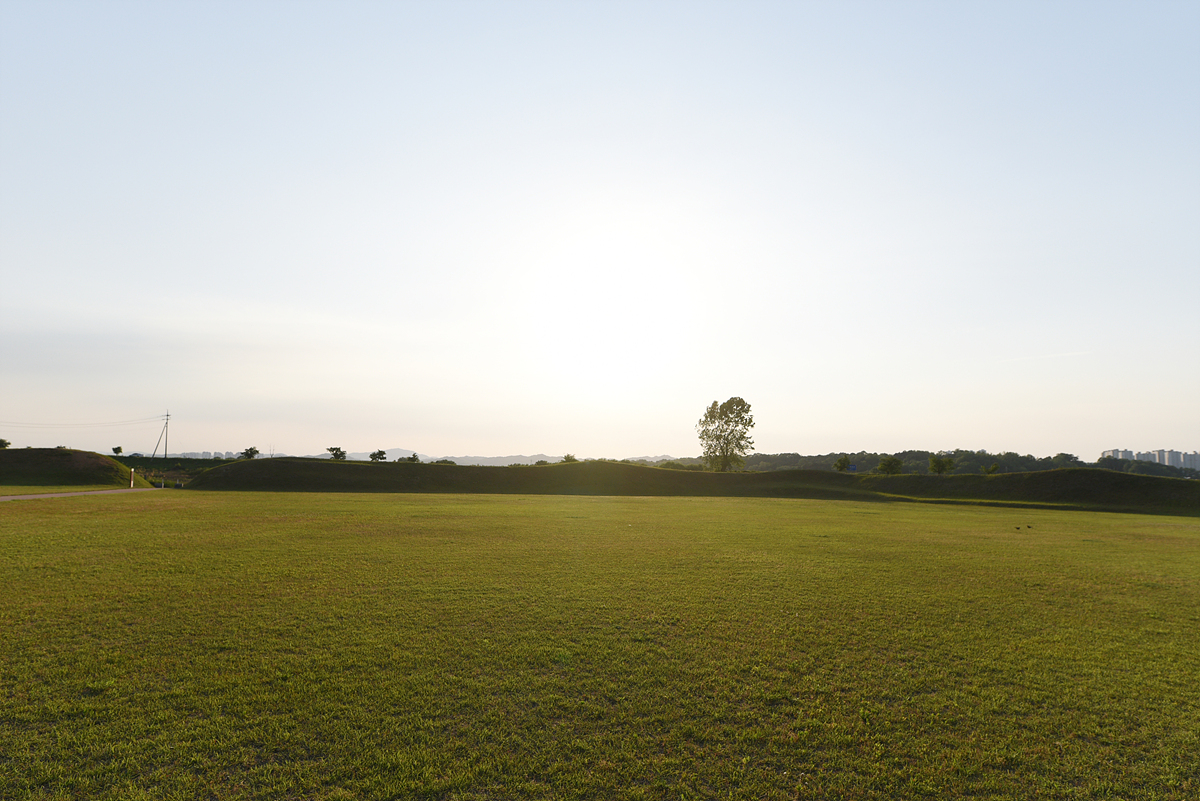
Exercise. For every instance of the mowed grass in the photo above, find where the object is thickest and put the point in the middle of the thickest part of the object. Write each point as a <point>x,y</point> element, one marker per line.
<point>247,645</point>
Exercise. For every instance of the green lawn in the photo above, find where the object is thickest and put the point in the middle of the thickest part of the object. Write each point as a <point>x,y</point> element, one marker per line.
<point>254,645</point>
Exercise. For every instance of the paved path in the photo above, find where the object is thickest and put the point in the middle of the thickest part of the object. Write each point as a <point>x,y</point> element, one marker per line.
<point>69,494</point>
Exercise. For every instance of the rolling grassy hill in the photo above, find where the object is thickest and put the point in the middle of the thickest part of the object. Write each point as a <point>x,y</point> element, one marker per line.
<point>62,468</point>
<point>1072,487</point>
<point>580,478</point>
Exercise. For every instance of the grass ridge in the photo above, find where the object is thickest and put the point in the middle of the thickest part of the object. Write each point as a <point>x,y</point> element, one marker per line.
<point>63,468</point>
<point>1085,488</point>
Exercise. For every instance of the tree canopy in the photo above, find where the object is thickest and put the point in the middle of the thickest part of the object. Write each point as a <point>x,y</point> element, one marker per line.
<point>336,454</point>
<point>378,456</point>
<point>940,463</point>
<point>724,432</point>
<point>890,465</point>
<point>250,452</point>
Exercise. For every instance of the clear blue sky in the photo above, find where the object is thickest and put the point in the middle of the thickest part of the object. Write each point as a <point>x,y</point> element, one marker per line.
<point>497,228</point>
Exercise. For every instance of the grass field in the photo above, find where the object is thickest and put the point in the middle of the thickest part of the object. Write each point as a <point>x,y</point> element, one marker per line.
<point>253,645</point>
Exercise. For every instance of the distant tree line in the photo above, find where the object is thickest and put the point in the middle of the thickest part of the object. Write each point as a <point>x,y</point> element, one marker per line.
<point>964,461</point>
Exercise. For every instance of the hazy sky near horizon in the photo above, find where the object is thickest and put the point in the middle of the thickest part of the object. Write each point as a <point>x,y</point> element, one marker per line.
<point>496,228</point>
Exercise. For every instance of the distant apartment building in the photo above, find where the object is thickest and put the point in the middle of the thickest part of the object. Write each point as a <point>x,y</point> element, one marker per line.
<point>1167,457</point>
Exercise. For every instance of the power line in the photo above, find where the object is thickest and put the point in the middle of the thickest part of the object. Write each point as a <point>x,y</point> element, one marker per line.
<point>140,422</point>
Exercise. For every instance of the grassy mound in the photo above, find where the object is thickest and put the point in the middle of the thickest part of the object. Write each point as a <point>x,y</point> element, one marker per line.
<point>1073,486</point>
<point>1079,487</point>
<point>62,467</point>
<point>579,478</point>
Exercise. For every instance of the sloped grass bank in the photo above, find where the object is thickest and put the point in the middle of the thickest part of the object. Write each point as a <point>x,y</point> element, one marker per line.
<point>61,470</point>
<point>1078,486</point>
<point>580,478</point>
<point>1085,488</point>
<point>171,469</point>
<point>333,646</point>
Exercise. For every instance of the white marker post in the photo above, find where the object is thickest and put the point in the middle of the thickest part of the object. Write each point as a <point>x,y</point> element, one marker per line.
<point>131,478</point>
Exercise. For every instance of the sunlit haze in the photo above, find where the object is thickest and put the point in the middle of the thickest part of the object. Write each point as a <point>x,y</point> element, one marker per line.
<point>517,228</point>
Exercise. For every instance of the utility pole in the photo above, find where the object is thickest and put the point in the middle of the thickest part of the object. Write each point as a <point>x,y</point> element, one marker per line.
<point>162,437</point>
<point>166,436</point>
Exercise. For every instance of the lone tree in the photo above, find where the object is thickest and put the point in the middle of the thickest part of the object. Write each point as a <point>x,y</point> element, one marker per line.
<point>250,452</point>
<point>378,456</point>
<point>842,464</point>
<point>118,450</point>
<point>4,444</point>
<point>336,454</point>
<point>890,465</point>
<point>940,463</point>
<point>725,434</point>
<point>569,457</point>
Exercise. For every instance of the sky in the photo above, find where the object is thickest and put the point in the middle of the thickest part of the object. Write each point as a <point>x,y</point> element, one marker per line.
<point>492,228</point>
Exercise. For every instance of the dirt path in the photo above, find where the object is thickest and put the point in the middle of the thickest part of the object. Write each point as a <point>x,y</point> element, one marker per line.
<point>69,494</point>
